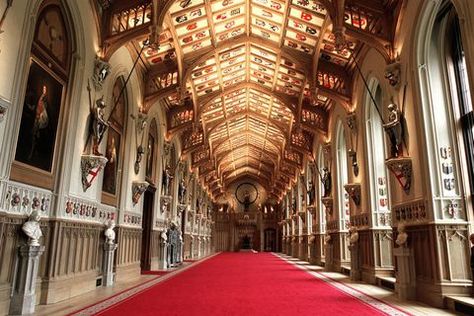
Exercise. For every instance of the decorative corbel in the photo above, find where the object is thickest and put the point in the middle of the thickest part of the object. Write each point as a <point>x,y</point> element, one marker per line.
<point>91,165</point>
<point>138,187</point>
<point>353,189</point>
<point>401,168</point>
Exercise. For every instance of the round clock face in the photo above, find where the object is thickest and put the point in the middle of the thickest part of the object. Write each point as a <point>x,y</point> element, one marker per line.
<point>246,193</point>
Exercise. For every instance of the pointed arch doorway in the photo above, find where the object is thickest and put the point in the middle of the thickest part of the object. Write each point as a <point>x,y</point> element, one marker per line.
<point>147,226</point>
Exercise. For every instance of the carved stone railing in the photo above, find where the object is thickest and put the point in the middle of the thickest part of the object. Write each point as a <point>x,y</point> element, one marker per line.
<point>413,211</point>
<point>332,226</point>
<point>360,220</point>
<point>22,199</point>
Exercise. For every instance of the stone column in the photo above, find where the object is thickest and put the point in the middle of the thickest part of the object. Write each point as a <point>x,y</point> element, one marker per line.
<point>406,277</point>
<point>355,261</point>
<point>163,255</point>
<point>328,263</point>
<point>199,247</point>
<point>108,267</point>
<point>23,300</point>
<point>191,247</point>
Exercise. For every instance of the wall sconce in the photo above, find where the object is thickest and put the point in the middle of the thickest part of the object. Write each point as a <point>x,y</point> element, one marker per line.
<point>140,124</point>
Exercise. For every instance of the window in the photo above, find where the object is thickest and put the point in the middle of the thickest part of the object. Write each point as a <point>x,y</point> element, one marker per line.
<point>376,159</point>
<point>342,179</point>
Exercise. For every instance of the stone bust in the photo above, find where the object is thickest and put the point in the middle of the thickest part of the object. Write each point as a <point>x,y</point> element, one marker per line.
<point>32,229</point>
<point>164,236</point>
<point>110,233</point>
<point>354,235</point>
<point>402,236</point>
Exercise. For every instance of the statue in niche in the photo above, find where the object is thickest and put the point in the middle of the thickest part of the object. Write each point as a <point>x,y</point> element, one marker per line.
<point>394,129</point>
<point>311,193</point>
<point>182,192</point>
<point>166,180</point>
<point>326,180</point>
<point>32,229</point>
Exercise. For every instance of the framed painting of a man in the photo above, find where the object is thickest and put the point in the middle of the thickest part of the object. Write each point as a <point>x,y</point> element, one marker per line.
<point>111,168</point>
<point>39,120</point>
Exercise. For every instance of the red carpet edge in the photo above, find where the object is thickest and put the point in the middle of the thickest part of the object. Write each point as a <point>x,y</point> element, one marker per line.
<point>373,302</point>
<point>124,295</point>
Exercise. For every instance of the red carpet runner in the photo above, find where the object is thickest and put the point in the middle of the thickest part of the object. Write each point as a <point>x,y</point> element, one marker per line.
<point>246,284</point>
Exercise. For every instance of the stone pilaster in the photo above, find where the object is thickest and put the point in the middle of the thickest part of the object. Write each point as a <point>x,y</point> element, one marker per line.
<point>23,300</point>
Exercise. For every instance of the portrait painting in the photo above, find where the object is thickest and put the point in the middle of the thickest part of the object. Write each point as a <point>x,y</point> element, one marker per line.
<point>39,119</point>
<point>112,153</point>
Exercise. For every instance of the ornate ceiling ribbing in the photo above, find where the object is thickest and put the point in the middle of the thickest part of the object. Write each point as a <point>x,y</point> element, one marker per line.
<point>248,83</point>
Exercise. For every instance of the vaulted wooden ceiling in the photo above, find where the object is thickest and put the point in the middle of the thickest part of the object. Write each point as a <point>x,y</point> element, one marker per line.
<point>247,84</point>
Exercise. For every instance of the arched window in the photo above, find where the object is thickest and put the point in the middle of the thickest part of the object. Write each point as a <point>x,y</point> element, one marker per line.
<point>321,207</point>
<point>115,141</point>
<point>376,159</point>
<point>44,102</point>
<point>460,90</point>
<point>447,109</point>
<point>342,178</point>
<point>150,172</point>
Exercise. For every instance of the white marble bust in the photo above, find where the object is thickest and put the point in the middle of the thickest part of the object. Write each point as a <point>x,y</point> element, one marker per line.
<point>110,233</point>
<point>32,229</point>
<point>164,236</point>
<point>354,235</point>
<point>402,237</point>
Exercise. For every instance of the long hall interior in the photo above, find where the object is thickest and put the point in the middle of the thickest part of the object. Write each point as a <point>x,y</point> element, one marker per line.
<point>236,157</point>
